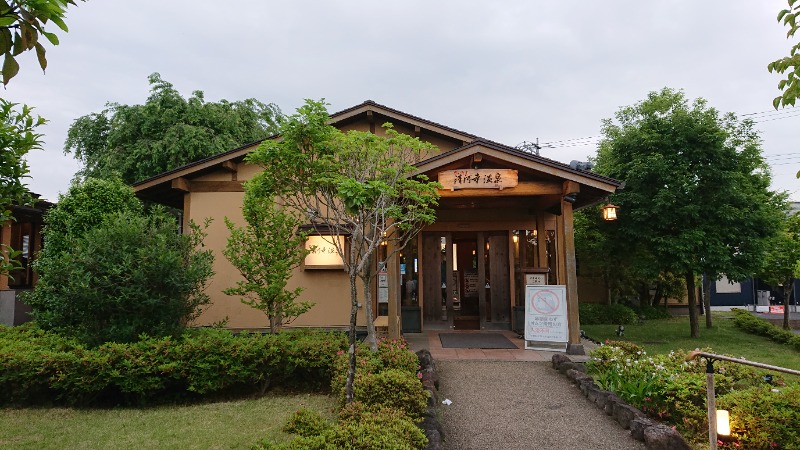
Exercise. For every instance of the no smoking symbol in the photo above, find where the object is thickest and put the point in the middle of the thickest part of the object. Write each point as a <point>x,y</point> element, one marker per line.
<point>545,302</point>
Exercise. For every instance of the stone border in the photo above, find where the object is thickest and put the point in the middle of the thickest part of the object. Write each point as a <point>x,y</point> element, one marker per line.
<point>655,435</point>
<point>430,382</point>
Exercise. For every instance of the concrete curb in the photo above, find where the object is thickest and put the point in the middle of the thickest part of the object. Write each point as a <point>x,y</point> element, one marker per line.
<point>431,424</point>
<point>655,435</point>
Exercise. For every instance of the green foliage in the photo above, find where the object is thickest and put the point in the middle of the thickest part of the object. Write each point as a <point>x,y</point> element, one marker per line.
<point>391,354</point>
<point>150,281</point>
<point>389,401</point>
<point>669,388</point>
<point>307,422</point>
<point>653,312</point>
<point>763,417</point>
<point>355,184</point>
<point>752,324</point>
<point>782,259</point>
<point>136,142</point>
<point>790,86</point>
<point>696,197</point>
<point>22,24</point>
<point>592,314</point>
<point>265,252</point>
<point>360,427</point>
<point>17,137</point>
<point>39,367</point>
<point>84,207</point>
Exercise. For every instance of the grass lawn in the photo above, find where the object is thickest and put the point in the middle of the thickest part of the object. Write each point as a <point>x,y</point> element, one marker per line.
<point>662,336</point>
<point>235,424</point>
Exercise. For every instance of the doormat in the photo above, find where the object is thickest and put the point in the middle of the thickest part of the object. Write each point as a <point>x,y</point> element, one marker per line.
<point>475,340</point>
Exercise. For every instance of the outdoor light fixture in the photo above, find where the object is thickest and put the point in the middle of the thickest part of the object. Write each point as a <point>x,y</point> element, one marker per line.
<point>723,422</point>
<point>570,198</point>
<point>610,212</point>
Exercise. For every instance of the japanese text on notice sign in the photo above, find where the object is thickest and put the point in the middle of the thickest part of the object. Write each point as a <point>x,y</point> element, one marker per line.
<point>546,314</point>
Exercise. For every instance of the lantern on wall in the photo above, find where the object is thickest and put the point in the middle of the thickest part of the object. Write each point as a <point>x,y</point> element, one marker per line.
<point>610,212</point>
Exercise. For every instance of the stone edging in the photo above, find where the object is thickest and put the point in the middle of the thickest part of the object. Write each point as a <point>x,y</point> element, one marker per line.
<point>430,382</point>
<point>656,436</point>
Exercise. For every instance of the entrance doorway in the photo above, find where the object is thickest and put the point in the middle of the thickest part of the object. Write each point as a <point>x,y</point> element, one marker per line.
<point>466,280</point>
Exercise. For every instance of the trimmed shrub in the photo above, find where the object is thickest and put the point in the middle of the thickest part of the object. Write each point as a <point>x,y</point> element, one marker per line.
<point>392,388</point>
<point>752,324</point>
<point>764,418</point>
<point>39,367</point>
<point>593,314</point>
<point>306,422</point>
<point>649,312</point>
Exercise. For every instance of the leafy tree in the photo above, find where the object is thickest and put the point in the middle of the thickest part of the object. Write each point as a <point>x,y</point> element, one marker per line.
<point>353,184</point>
<point>790,86</point>
<point>85,206</point>
<point>22,23</point>
<point>696,197</point>
<point>136,142</point>
<point>265,252</point>
<point>781,261</point>
<point>17,137</point>
<point>109,272</point>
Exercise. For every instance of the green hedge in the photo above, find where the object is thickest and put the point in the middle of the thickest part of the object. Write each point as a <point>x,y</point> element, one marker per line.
<point>38,367</point>
<point>592,314</point>
<point>389,401</point>
<point>752,324</point>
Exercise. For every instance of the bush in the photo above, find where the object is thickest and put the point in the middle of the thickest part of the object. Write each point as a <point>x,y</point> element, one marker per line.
<point>752,324</point>
<point>667,387</point>
<point>149,281</point>
<point>393,388</point>
<point>306,422</point>
<point>39,367</point>
<point>592,314</point>
<point>360,427</point>
<point>762,418</point>
<point>649,312</point>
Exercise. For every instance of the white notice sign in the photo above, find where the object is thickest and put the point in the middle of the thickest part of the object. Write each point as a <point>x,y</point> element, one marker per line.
<point>545,315</point>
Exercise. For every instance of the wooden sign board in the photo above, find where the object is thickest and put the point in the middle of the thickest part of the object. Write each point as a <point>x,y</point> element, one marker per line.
<point>478,179</point>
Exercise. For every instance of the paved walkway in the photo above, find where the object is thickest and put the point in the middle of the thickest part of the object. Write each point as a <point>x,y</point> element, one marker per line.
<point>513,399</point>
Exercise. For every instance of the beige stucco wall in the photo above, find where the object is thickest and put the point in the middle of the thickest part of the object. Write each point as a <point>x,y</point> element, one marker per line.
<point>328,289</point>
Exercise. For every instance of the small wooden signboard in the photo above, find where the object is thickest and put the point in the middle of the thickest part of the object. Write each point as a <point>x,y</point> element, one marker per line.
<point>478,179</point>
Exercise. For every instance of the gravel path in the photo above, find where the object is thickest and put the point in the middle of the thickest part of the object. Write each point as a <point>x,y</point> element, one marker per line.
<point>521,405</point>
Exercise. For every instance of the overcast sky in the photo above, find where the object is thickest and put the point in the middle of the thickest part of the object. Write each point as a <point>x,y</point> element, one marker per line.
<point>509,71</point>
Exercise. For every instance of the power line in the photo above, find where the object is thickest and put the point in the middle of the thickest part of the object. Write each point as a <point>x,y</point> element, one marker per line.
<point>588,141</point>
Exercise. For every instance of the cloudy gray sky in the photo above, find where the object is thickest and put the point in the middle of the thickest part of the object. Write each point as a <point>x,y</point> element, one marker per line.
<point>510,71</point>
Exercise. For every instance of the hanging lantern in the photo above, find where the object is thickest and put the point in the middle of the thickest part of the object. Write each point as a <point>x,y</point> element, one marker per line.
<point>610,212</point>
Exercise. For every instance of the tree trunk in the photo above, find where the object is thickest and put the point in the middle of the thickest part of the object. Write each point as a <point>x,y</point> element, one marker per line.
<point>692,297</point>
<point>707,301</point>
<point>371,338</point>
<point>351,369</point>
<point>657,294</point>
<point>787,295</point>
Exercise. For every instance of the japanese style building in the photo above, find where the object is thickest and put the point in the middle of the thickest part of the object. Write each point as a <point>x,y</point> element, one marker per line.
<point>504,221</point>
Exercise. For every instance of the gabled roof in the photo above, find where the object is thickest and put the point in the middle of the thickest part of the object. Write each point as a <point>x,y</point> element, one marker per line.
<point>158,188</point>
<point>557,168</point>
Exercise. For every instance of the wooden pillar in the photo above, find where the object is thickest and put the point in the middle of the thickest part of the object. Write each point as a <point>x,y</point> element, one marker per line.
<point>570,277</point>
<point>512,275</point>
<point>5,240</point>
<point>393,272</point>
<point>541,240</point>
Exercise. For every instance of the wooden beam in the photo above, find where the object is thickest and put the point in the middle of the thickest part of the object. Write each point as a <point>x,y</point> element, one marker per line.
<point>393,273</point>
<point>207,186</point>
<point>371,120</point>
<point>571,187</point>
<point>522,189</point>
<point>230,166</point>
<point>182,184</point>
<point>417,131</point>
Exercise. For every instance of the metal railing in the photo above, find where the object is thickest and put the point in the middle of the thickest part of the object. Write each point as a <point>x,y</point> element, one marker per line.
<point>711,402</point>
